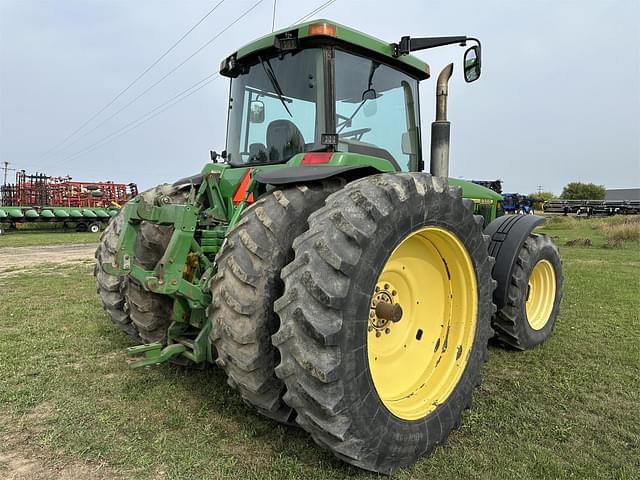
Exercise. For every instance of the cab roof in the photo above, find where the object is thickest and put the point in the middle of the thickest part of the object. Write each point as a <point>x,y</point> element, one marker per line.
<point>327,32</point>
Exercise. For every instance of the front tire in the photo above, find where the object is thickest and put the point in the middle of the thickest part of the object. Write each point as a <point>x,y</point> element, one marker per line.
<point>351,371</point>
<point>533,297</point>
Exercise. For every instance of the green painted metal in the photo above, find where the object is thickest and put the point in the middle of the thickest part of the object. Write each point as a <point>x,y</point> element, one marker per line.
<point>54,214</point>
<point>347,159</point>
<point>473,190</point>
<point>101,213</point>
<point>197,230</point>
<point>14,213</point>
<point>411,63</point>
<point>154,353</point>
<point>485,199</point>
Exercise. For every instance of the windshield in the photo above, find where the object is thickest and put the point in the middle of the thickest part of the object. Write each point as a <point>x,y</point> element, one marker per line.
<point>376,110</point>
<point>276,109</point>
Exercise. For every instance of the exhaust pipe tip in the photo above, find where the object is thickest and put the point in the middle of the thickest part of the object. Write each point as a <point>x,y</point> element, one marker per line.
<point>441,128</point>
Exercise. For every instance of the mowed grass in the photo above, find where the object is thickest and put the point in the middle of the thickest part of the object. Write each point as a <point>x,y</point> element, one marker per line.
<point>568,409</point>
<point>13,238</point>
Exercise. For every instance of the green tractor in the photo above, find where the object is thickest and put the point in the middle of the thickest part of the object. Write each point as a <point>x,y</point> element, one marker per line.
<point>339,286</point>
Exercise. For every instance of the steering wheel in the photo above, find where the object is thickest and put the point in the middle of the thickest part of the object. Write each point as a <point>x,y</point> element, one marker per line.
<point>358,133</point>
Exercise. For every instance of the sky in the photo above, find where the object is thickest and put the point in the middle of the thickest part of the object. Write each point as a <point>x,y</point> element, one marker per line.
<point>558,100</point>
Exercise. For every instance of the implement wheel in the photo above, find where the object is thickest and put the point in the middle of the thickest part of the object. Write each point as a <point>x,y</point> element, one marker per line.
<point>385,319</point>
<point>533,297</point>
<point>246,286</point>
<point>110,287</point>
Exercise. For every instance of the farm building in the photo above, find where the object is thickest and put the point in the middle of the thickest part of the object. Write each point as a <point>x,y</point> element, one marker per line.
<point>627,194</point>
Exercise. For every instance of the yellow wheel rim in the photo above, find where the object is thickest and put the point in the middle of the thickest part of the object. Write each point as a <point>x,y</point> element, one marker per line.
<point>417,361</point>
<point>541,294</point>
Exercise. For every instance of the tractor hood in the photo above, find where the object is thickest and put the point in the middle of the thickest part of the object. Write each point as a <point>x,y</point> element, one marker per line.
<point>475,191</point>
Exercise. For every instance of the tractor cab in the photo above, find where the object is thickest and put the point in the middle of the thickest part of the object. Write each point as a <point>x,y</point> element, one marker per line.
<point>323,87</point>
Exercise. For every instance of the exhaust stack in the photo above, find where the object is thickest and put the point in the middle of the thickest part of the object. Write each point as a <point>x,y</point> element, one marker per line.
<point>441,127</point>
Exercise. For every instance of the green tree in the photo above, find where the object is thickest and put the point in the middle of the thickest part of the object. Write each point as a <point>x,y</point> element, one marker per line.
<point>540,198</point>
<point>544,196</point>
<point>583,191</point>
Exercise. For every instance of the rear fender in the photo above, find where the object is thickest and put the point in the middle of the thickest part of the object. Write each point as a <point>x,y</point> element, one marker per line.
<point>508,234</point>
<point>314,166</point>
<point>312,173</point>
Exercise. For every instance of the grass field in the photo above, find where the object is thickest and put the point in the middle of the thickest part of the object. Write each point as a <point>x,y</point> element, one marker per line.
<point>44,237</point>
<point>70,407</point>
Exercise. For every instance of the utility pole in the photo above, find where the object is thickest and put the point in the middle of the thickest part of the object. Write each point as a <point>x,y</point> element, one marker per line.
<point>539,189</point>
<point>6,168</point>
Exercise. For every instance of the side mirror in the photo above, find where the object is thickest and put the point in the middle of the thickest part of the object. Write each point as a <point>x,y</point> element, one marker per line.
<point>370,106</point>
<point>256,112</point>
<point>472,64</point>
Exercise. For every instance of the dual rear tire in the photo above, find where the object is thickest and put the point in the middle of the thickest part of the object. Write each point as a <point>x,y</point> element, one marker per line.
<point>246,286</point>
<point>335,355</point>
<point>143,315</point>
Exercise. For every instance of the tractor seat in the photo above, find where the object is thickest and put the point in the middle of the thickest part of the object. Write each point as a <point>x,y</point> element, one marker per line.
<point>284,140</point>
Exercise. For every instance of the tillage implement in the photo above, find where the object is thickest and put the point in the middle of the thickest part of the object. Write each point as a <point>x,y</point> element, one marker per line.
<point>339,285</point>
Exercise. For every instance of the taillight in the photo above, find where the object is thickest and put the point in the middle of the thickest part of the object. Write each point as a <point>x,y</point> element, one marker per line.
<point>314,158</point>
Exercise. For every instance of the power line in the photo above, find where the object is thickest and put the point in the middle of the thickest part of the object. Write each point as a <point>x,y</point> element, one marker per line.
<point>176,98</point>
<point>153,64</point>
<point>146,117</point>
<point>315,11</point>
<point>170,72</point>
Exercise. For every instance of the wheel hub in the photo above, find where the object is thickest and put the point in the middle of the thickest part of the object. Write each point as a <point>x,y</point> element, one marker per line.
<point>385,310</point>
<point>422,319</point>
<point>540,296</point>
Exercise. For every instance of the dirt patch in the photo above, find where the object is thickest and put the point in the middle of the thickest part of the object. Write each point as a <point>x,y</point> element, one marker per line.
<point>16,260</point>
<point>18,466</point>
<point>20,459</point>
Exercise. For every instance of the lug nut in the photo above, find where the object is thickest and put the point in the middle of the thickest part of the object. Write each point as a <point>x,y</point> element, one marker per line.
<point>387,330</point>
<point>378,333</point>
<point>394,293</point>
<point>386,286</point>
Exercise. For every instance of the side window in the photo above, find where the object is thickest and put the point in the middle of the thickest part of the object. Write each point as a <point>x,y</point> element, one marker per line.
<point>303,115</point>
<point>273,109</point>
<point>376,110</point>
